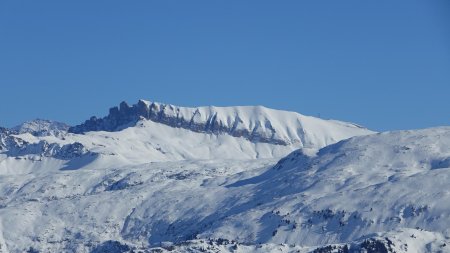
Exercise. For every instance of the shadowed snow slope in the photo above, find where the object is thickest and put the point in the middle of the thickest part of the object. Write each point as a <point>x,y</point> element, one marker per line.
<point>391,185</point>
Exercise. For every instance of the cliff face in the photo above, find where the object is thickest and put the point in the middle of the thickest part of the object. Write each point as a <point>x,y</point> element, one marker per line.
<point>255,123</point>
<point>170,115</point>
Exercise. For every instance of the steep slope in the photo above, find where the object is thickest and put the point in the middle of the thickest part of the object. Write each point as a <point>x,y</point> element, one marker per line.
<point>393,184</point>
<point>254,123</point>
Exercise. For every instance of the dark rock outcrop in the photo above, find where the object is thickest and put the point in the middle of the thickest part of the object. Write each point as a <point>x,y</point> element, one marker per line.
<point>125,115</point>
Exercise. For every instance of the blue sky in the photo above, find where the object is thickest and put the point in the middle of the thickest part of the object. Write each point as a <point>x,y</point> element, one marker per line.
<point>383,64</point>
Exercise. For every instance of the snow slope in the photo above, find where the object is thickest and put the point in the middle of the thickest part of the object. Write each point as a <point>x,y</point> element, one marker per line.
<point>399,241</point>
<point>356,192</point>
<point>241,133</point>
<point>148,141</point>
<point>358,186</point>
<point>255,123</point>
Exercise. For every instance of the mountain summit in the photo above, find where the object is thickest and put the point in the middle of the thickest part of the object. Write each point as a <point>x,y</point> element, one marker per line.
<point>254,123</point>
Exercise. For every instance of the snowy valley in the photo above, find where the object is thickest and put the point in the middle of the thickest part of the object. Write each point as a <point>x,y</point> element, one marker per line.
<point>154,177</point>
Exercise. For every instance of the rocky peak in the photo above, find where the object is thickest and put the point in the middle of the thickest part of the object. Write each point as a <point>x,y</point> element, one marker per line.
<point>255,123</point>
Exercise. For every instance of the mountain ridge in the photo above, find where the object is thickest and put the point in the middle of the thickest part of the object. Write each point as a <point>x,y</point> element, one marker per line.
<point>255,123</point>
<point>126,137</point>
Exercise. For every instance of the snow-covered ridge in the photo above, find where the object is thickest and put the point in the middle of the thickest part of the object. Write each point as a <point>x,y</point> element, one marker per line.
<point>42,127</point>
<point>255,123</point>
<point>153,132</point>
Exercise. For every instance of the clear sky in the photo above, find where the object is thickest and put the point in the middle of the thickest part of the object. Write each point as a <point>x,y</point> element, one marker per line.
<point>384,64</point>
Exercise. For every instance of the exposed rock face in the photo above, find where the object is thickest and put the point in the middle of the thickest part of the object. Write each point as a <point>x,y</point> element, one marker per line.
<point>170,115</point>
<point>116,118</point>
<point>257,124</point>
<point>7,140</point>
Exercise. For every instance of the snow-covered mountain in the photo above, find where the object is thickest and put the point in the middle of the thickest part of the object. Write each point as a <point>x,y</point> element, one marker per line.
<point>234,179</point>
<point>126,137</point>
<point>42,127</point>
<point>255,123</point>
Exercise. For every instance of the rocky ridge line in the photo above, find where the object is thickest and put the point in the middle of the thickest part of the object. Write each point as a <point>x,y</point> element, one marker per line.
<point>170,115</point>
